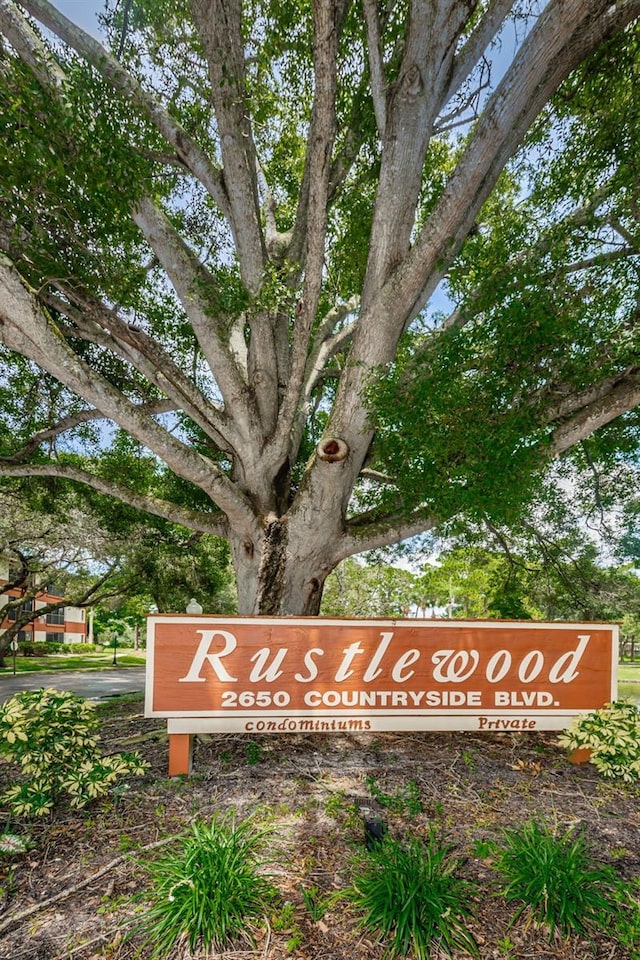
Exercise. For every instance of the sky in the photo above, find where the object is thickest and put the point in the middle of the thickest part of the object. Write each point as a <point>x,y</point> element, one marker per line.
<point>82,12</point>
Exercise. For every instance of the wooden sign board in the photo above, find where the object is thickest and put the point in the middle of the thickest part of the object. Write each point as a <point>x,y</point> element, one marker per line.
<point>285,675</point>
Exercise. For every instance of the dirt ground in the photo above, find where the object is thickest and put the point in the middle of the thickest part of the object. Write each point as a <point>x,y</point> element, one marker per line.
<point>70,895</point>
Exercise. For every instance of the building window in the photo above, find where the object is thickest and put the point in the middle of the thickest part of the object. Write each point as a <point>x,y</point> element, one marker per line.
<point>56,616</point>
<point>25,607</point>
<point>55,638</point>
<point>24,636</point>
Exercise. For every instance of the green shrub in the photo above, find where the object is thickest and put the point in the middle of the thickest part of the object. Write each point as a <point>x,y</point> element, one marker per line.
<point>44,647</point>
<point>613,736</point>
<point>52,736</point>
<point>81,648</point>
<point>412,893</point>
<point>556,880</point>
<point>208,892</point>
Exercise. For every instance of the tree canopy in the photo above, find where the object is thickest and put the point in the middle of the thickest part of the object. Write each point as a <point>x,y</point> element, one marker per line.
<point>318,277</point>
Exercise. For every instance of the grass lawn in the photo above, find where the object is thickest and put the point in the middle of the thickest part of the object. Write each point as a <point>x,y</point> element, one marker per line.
<point>629,671</point>
<point>61,661</point>
<point>101,661</point>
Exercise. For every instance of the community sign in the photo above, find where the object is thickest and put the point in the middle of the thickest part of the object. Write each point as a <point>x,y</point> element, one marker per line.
<point>270,675</point>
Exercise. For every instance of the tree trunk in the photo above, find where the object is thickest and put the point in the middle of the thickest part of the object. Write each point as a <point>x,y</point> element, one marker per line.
<point>283,575</point>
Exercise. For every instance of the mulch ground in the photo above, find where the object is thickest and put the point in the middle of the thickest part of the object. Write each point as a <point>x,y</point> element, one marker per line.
<point>73,894</point>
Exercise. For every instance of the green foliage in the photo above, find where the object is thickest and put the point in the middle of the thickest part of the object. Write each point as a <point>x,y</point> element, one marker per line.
<point>556,880</point>
<point>473,427</point>
<point>534,572</point>
<point>545,306</point>
<point>12,844</point>
<point>356,589</point>
<point>76,170</point>
<point>412,893</point>
<point>405,801</point>
<point>168,570</point>
<point>612,734</point>
<point>627,920</point>
<point>209,891</point>
<point>52,736</point>
<point>316,904</point>
<point>476,582</point>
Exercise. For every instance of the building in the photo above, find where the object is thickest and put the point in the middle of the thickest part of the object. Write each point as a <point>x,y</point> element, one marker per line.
<point>64,625</point>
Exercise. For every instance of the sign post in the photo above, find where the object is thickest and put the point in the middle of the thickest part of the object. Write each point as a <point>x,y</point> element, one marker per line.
<point>282,675</point>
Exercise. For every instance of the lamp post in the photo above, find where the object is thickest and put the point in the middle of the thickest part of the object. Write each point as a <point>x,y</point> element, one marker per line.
<point>114,662</point>
<point>14,650</point>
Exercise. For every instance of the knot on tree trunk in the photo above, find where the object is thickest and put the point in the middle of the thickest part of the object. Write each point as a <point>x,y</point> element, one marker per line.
<point>333,450</point>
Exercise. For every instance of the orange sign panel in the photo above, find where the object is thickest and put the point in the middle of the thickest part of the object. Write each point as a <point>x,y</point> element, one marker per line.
<point>275,674</point>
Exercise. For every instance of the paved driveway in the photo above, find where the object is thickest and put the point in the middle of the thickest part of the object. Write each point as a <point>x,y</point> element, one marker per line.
<point>92,684</point>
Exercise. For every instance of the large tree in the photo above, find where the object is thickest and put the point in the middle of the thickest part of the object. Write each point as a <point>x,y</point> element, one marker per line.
<point>223,232</point>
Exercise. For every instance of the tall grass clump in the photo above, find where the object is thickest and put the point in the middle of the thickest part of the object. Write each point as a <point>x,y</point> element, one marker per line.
<point>411,893</point>
<point>556,880</point>
<point>209,892</point>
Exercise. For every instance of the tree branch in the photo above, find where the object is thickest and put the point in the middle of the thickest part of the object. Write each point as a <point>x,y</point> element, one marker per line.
<point>326,343</point>
<point>192,519</point>
<point>565,33</point>
<point>219,24</point>
<point>363,533</point>
<point>24,913</point>
<point>473,49</point>
<point>414,99</point>
<point>320,145</point>
<point>74,420</point>
<point>606,256</point>
<point>190,153</point>
<point>21,578</point>
<point>94,322</point>
<point>30,48</point>
<point>376,65</point>
<point>196,291</point>
<point>25,329</point>
<point>322,116</point>
<point>610,400</point>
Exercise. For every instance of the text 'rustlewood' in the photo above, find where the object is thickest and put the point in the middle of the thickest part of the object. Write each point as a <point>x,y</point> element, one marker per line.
<point>216,650</point>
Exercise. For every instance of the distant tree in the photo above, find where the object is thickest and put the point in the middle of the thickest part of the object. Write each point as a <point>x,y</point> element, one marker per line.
<point>562,582</point>
<point>475,582</point>
<point>358,589</point>
<point>49,553</point>
<point>92,555</point>
<point>167,574</point>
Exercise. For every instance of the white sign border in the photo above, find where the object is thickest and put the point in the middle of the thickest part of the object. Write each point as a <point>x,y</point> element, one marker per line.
<point>433,719</point>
